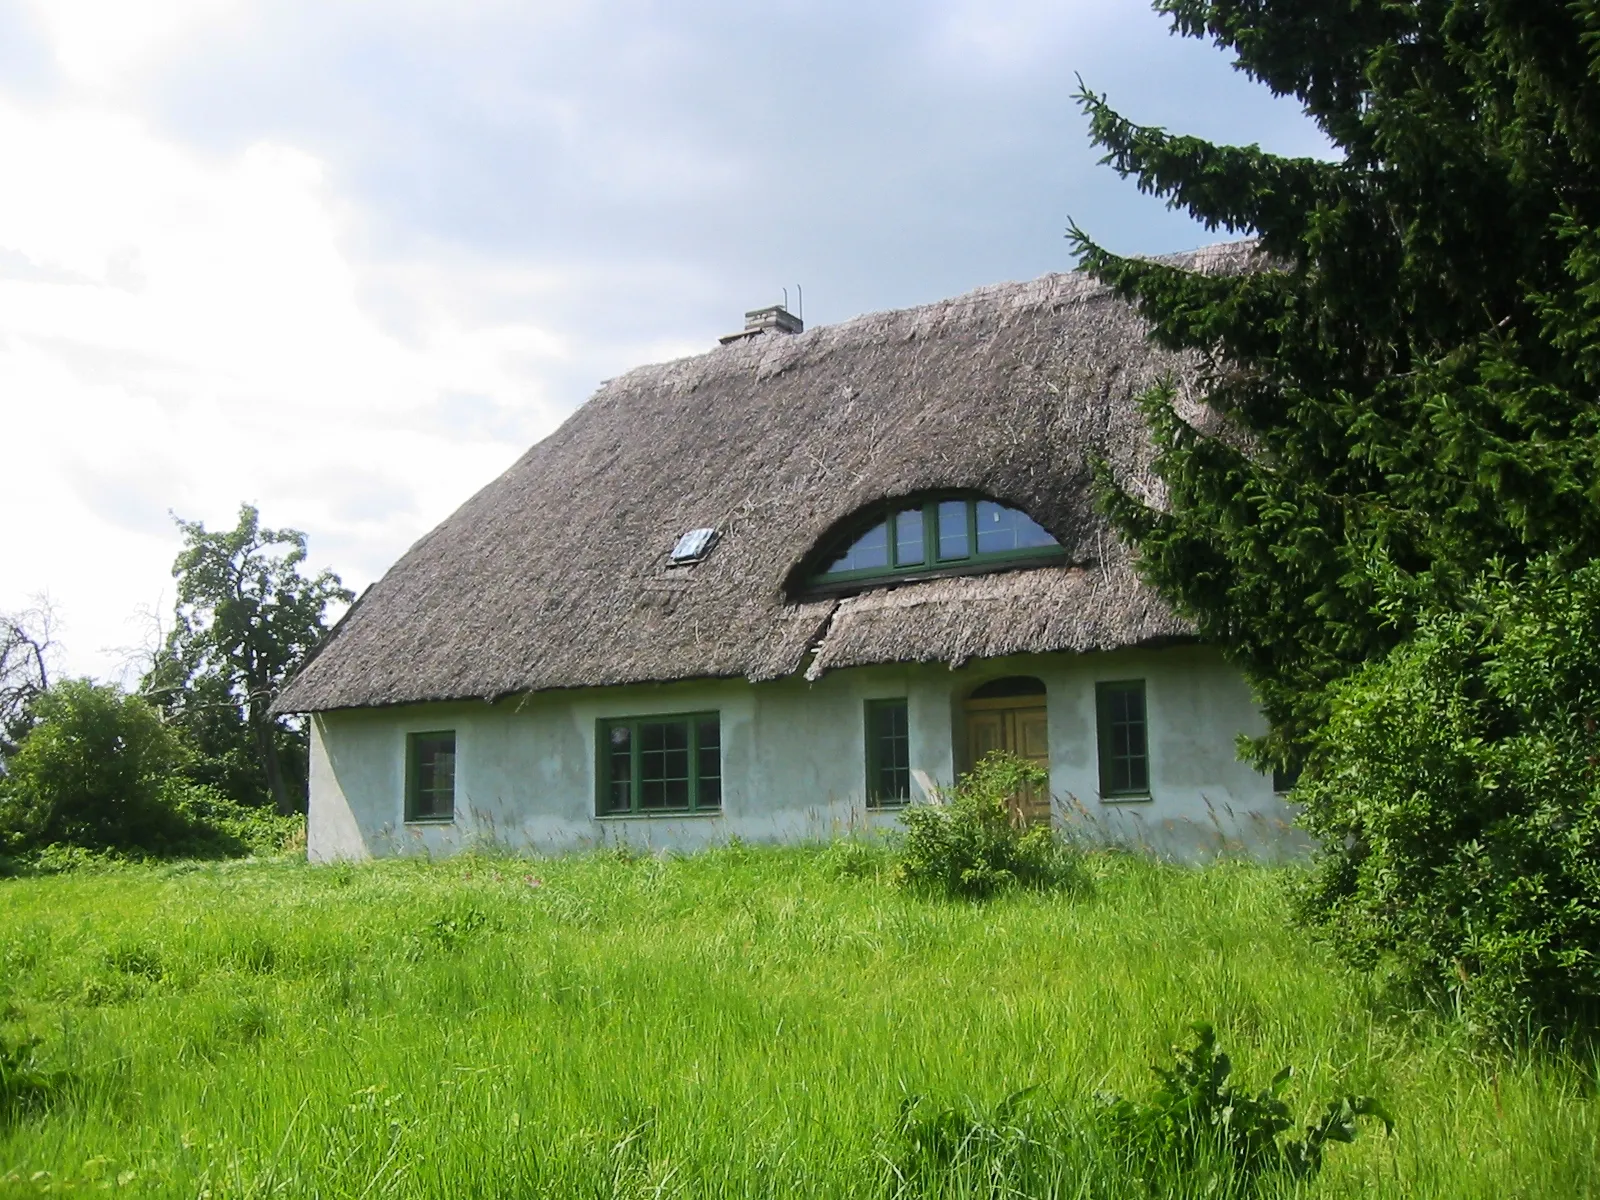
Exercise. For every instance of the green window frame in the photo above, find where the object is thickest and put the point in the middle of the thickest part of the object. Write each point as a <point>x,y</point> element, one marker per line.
<point>431,776</point>
<point>888,754</point>
<point>1124,736</point>
<point>938,535</point>
<point>667,764</point>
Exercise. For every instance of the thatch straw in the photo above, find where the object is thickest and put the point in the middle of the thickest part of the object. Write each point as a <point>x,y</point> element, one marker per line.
<point>556,576</point>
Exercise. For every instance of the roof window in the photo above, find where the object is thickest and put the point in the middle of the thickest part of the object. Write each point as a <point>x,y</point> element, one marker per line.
<point>692,547</point>
<point>940,535</point>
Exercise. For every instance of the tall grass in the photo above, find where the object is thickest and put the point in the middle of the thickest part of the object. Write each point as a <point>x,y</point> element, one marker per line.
<point>738,1023</point>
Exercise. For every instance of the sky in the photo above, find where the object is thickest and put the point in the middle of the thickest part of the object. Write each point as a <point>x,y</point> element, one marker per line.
<point>345,260</point>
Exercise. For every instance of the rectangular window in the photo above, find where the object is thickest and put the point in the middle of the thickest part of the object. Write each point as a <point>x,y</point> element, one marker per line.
<point>431,776</point>
<point>888,754</point>
<point>1124,739</point>
<point>660,764</point>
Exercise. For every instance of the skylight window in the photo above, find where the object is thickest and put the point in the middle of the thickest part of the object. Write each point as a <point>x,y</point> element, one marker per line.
<point>692,547</point>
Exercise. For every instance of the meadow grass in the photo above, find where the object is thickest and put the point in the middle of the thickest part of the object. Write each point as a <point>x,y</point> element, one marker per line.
<point>736,1023</point>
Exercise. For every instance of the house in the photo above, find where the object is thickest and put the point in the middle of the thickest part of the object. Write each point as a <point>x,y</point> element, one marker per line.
<point>782,588</point>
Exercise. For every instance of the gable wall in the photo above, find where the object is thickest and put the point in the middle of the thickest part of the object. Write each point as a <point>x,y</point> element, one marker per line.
<point>793,760</point>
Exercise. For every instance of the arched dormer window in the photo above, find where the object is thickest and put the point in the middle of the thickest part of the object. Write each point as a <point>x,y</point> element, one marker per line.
<point>938,535</point>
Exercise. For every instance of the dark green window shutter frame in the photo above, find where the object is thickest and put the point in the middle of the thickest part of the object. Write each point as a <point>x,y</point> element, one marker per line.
<point>899,792</point>
<point>1135,783</point>
<point>604,779</point>
<point>414,813</point>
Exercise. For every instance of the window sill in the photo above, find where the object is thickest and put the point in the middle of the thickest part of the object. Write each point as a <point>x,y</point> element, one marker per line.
<point>889,806</point>
<point>430,820</point>
<point>661,814</point>
<point>1131,798</point>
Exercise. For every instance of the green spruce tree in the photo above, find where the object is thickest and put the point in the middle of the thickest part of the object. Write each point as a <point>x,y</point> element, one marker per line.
<point>1411,373</point>
<point>1395,531</point>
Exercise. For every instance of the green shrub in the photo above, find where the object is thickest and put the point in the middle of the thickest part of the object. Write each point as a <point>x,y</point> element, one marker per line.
<point>1456,796</point>
<point>91,773</point>
<point>100,776</point>
<point>970,846</point>
<point>214,826</point>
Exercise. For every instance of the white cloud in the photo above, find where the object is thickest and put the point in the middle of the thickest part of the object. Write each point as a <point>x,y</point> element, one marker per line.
<point>99,44</point>
<point>183,333</point>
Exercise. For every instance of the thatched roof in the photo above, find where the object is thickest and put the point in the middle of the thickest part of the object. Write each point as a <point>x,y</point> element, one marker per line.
<point>556,576</point>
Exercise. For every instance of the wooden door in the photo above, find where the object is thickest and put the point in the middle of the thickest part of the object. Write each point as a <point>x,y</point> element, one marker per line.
<point>1031,740</point>
<point>1019,724</point>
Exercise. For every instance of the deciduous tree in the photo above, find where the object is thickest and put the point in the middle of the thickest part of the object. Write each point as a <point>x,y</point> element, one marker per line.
<point>26,649</point>
<point>245,619</point>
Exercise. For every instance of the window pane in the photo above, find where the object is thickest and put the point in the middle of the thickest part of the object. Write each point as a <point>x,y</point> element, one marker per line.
<point>708,737</point>
<point>1001,529</point>
<point>908,548</point>
<point>433,776</point>
<point>619,768</point>
<point>997,532</point>
<point>871,549</point>
<point>1139,774</point>
<point>888,752</point>
<point>1124,742</point>
<point>664,764</point>
<point>1030,533</point>
<point>953,541</point>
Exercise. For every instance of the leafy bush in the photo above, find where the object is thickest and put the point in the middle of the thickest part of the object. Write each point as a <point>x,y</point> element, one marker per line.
<point>1456,795</point>
<point>91,773</point>
<point>100,775</point>
<point>215,826</point>
<point>1196,1121</point>
<point>970,846</point>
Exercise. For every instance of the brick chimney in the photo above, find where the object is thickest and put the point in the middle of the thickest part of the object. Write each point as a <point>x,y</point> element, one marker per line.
<point>774,318</point>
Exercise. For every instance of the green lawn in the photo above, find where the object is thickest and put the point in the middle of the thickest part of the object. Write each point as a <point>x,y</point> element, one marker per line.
<point>741,1023</point>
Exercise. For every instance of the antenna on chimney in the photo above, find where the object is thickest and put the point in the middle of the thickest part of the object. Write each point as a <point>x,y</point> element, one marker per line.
<point>800,301</point>
<point>786,297</point>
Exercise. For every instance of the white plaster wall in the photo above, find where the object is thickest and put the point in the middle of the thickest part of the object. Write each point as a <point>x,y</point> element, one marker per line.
<point>794,761</point>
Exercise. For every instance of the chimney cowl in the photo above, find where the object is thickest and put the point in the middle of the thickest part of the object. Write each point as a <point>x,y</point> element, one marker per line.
<point>775,318</point>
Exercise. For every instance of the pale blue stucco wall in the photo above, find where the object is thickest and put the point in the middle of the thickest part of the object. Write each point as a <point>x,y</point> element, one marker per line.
<point>794,760</point>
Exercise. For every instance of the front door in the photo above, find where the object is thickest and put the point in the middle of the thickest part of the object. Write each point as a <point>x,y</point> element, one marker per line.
<point>1018,724</point>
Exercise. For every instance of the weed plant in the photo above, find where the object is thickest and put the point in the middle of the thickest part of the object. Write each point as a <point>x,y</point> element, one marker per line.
<point>742,1023</point>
